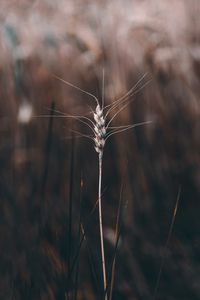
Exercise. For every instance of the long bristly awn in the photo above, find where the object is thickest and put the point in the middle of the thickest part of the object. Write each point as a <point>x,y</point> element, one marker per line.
<point>99,123</point>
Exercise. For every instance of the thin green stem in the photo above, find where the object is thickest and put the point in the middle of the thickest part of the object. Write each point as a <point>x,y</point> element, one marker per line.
<point>101,228</point>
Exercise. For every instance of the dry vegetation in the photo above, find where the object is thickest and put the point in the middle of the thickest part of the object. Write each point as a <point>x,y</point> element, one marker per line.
<point>48,183</point>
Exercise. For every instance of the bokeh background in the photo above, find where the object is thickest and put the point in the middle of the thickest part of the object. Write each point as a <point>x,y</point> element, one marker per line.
<point>49,239</point>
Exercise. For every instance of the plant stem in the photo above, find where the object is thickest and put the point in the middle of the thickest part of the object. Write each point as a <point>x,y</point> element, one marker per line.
<point>101,228</point>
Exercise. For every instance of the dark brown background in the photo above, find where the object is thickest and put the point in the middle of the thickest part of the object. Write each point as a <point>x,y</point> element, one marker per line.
<point>42,167</point>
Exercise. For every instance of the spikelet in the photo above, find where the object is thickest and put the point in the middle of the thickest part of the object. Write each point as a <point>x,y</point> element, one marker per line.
<point>99,130</point>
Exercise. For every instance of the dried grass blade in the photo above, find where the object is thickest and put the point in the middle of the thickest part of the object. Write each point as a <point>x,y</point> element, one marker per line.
<point>46,163</point>
<point>79,239</point>
<point>167,243</point>
<point>71,183</point>
<point>117,236</point>
<point>91,260</point>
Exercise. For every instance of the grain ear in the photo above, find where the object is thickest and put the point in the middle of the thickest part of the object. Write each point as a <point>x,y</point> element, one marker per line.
<point>99,130</point>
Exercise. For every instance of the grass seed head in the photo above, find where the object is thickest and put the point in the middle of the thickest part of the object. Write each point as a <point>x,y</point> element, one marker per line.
<point>99,130</point>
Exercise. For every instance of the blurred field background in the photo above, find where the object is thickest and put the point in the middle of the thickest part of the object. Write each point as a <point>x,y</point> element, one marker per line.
<point>48,182</point>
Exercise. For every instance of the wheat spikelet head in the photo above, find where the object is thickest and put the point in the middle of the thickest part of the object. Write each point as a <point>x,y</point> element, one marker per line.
<point>99,129</point>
